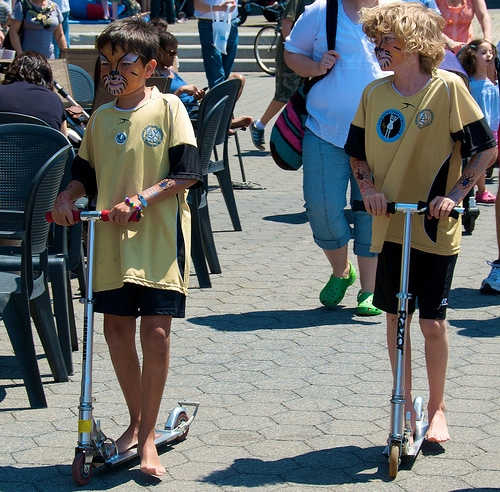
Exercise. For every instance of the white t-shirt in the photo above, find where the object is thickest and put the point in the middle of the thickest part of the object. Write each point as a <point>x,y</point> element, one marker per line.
<point>332,102</point>
<point>209,14</point>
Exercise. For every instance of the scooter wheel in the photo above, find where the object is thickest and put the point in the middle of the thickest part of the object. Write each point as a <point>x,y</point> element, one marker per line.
<point>181,418</point>
<point>393,460</point>
<point>80,471</point>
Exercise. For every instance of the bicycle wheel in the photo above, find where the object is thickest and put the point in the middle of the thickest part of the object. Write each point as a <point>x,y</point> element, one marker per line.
<point>264,49</point>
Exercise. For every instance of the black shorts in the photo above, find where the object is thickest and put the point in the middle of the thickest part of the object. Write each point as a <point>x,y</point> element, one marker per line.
<point>429,283</point>
<point>137,300</point>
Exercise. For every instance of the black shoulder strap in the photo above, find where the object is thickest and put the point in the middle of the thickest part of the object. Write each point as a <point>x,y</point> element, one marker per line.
<point>332,7</point>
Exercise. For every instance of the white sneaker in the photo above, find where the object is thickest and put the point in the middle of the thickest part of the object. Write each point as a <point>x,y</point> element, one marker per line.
<point>491,284</point>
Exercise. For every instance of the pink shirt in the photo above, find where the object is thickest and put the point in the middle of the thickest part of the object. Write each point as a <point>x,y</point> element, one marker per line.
<point>458,20</point>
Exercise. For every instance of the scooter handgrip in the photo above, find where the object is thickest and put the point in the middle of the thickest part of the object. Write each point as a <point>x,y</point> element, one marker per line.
<point>135,217</point>
<point>359,206</point>
<point>76,216</point>
<point>454,214</point>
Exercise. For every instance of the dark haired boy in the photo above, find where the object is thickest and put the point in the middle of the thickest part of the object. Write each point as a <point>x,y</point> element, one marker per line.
<point>139,153</point>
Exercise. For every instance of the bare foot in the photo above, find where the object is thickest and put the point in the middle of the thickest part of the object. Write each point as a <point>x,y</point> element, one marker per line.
<point>150,461</point>
<point>127,440</point>
<point>438,429</point>
<point>241,122</point>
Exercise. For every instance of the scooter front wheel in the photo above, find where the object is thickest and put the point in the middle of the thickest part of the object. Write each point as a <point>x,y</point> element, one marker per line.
<point>81,471</point>
<point>393,460</point>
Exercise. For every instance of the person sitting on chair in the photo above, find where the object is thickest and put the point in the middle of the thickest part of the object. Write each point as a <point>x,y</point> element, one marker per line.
<point>28,89</point>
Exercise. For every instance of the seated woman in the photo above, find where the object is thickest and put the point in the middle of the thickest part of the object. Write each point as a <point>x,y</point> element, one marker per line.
<point>28,88</point>
<point>189,94</point>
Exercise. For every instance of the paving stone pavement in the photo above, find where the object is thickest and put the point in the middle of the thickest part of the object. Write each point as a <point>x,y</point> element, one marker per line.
<point>293,396</point>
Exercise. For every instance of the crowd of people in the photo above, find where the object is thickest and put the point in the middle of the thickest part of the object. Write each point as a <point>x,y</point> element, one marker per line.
<point>139,152</point>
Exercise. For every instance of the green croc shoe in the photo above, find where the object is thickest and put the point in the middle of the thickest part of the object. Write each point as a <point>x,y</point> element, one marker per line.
<point>365,305</point>
<point>333,292</point>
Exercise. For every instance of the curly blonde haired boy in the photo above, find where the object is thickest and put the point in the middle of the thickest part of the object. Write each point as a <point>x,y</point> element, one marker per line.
<point>406,144</point>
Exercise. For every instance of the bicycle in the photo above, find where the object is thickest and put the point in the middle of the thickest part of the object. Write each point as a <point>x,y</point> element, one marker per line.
<point>267,38</point>
<point>245,6</point>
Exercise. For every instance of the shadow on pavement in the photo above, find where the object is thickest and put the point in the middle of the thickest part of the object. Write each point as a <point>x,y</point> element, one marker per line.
<point>335,466</point>
<point>296,218</point>
<point>282,319</point>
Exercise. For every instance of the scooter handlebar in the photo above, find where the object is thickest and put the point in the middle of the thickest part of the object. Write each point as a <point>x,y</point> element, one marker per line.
<point>103,215</point>
<point>422,207</point>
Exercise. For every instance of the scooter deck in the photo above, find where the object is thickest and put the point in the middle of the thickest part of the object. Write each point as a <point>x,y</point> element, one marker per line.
<point>163,437</point>
<point>420,433</point>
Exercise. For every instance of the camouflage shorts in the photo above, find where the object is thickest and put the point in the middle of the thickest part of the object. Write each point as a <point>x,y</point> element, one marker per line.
<point>287,81</point>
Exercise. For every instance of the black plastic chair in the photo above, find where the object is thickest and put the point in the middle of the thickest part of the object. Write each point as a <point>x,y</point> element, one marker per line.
<point>27,292</point>
<point>220,167</point>
<point>82,86</point>
<point>202,240</point>
<point>8,118</point>
<point>24,149</point>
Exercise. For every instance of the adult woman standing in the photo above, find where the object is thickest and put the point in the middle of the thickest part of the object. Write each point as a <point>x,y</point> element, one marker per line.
<point>331,105</point>
<point>458,15</point>
<point>41,19</point>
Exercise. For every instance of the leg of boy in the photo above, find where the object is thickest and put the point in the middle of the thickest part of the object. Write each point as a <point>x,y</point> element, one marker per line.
<point>142,392</point>
<point>155,342</point>
<point>119,332</point>
<point>436,356</point>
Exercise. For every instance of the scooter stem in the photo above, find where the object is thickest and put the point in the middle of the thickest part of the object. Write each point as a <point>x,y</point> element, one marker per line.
<point>85,417</point>
<point>398,394</point>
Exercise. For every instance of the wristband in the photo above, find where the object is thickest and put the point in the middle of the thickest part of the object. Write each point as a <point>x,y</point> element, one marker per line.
<point>130,203</point>
<point>143,201</point>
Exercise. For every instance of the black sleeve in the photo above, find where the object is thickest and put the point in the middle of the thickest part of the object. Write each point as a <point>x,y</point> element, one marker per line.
<point>81,171</point>
<point>475,137</point>
<point>185,163</point>
<point>355,144</point>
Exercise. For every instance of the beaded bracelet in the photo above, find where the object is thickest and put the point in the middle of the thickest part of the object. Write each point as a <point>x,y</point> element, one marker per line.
<point>130,203</point>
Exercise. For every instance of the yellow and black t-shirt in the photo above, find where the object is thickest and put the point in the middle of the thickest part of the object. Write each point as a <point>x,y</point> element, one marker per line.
<point>131,150</point>
<point>414,147</point>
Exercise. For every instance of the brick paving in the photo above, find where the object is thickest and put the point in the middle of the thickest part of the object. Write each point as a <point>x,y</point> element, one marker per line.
<point>293,396</point>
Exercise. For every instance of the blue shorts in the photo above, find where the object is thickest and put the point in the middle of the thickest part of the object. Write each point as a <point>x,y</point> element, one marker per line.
<point>137,300</point>
<point>327,173</point>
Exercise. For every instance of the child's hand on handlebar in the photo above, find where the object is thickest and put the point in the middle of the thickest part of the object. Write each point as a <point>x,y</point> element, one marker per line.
<point>120,214</point>
<point>375,202</point>
<point>441,207</point>
<point>62,211</point>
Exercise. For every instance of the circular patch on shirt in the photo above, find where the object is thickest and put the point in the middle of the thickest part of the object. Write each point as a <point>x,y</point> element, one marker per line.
<point>121,138</point>
<point>390,125</point>
<point>152,135</point>
<point>424,118</point>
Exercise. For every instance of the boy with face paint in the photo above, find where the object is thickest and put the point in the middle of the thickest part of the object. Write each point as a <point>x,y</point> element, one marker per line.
<point>406,144</point>
<point>138,152</point>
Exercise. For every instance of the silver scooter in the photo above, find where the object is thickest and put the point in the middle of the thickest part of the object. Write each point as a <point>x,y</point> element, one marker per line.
<point>400,428</point>
<point>94,447</point>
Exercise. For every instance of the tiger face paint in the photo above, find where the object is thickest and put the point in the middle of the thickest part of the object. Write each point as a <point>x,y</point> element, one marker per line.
<point>123,73</point>
<point>389,50</point>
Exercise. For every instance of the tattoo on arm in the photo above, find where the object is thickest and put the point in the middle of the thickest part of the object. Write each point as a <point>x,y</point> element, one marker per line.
<point>469,177</point>
<point>362,175</point>
<point>162,186</point>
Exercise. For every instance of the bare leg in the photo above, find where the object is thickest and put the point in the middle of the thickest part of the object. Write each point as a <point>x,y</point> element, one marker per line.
<point>338,261</point>
<point>155,342</point>
<point>119,332</point>
<point>367,272</point>
<point>272,110</point>
<point>105,9</point>
<point>481,183</point>
<point>436,356</point>
<point>114,10</point>
<point>392,323</point>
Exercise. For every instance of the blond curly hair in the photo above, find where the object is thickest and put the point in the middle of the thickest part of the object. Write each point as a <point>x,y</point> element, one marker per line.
<point>417,27</point>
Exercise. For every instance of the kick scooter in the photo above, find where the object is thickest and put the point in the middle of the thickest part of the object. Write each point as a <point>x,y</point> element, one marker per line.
<point>94,448</point>
<point>400,428</point>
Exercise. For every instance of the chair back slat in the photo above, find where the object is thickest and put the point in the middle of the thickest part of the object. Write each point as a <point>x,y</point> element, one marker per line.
<point>207,132</point>
<point>82,86</point>
<point>7,118</point>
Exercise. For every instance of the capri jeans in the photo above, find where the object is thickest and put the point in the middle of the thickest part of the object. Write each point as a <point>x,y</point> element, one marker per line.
<point>327,172</point>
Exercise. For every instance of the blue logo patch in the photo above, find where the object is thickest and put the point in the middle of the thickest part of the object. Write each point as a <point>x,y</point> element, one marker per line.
<point>121,138</point>
<point>152,135</point>
<point>390,125</point>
